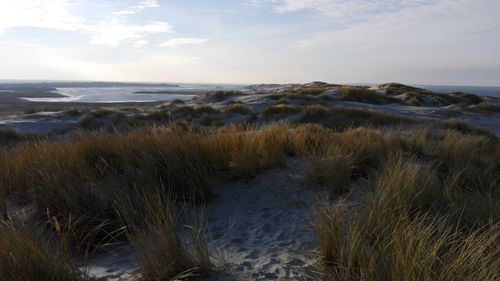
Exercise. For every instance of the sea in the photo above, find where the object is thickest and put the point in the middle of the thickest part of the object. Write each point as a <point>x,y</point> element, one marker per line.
<point>109,92</point>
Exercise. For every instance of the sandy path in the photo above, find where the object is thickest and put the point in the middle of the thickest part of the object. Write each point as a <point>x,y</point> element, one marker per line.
<point>263,227</point>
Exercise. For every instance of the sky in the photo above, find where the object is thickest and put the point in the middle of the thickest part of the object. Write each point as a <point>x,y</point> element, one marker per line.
<point>440,42</point>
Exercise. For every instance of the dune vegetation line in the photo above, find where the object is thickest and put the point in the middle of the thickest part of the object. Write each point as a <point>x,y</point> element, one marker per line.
<point>430,212</point>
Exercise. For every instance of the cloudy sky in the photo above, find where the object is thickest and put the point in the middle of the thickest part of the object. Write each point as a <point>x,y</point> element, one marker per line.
<point>454,42</point>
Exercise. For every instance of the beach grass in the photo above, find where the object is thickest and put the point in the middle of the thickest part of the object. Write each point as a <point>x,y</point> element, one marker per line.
<point>30,254</point>
<point>431,212</point>
<point>164,244</point>
<point>426,192</point>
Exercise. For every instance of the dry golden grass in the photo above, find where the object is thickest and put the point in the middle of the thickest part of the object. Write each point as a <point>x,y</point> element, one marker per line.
<point>464,127</point>
<point>280,109</point>
<point>393,236</point>
<point>82,177</point>
<point>311,139</point>
<point>248,150</point>
<point>160,238</point>
<point>363,147</point>
<point>27,254</point>
<point>331,172</point>
<point>431,212</point>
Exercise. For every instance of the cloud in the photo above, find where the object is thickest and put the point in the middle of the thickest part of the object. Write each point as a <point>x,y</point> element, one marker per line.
<point>444,22</point>
<point>55,14</point>
<point>176,42</point>
<point>113,32</point>
<point>140,43</point>
<point>341,8</point>
<point>138,8</point>
<point>51,14</point>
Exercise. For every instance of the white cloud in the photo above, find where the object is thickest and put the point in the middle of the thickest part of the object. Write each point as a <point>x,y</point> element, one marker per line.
<point>56,14</point>
<point>139,7</point>
<point>176,42</point>
<point>140,43</point>
<point>115,31</point>
<point>52,14</point>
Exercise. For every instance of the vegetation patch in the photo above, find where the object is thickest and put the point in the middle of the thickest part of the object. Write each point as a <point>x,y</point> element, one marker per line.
<point>239,109</point>
<point>342,118</point>
<point>30,255</point>
<point>487,107</point>
<point>223,95</point>
<point>280,109</point>
<point>464,127</point>
<point>359,94</point>
<point>159,241</point>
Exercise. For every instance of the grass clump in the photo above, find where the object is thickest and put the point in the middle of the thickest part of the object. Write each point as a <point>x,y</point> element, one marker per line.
<point>364,95</point>
<point>342,118</point>
<point>223,95</point>
<point>10,137</point>
<point>239,109</point>
<point>210,120</point>
<point>194,112</point>
<point>487,107</point>
<point>71,113</point>
<point>332,172</point>
<point>365,148</point>
<point>160,240</point>
<point>159,117</point>
<point>280,109</point>
<point>370,117</point>
<point>250,150</point>
<point>311,140</point>
<point>82,177</point>
<point>89,122</point>
<point>315,113</point>
<point>464,127</point>
<point>29,255</point>
<point>418,249</point>
<point>415,223</point>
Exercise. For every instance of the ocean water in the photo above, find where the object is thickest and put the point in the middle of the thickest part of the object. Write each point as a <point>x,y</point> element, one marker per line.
<point>482,91</point>
<point>135,93</point>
